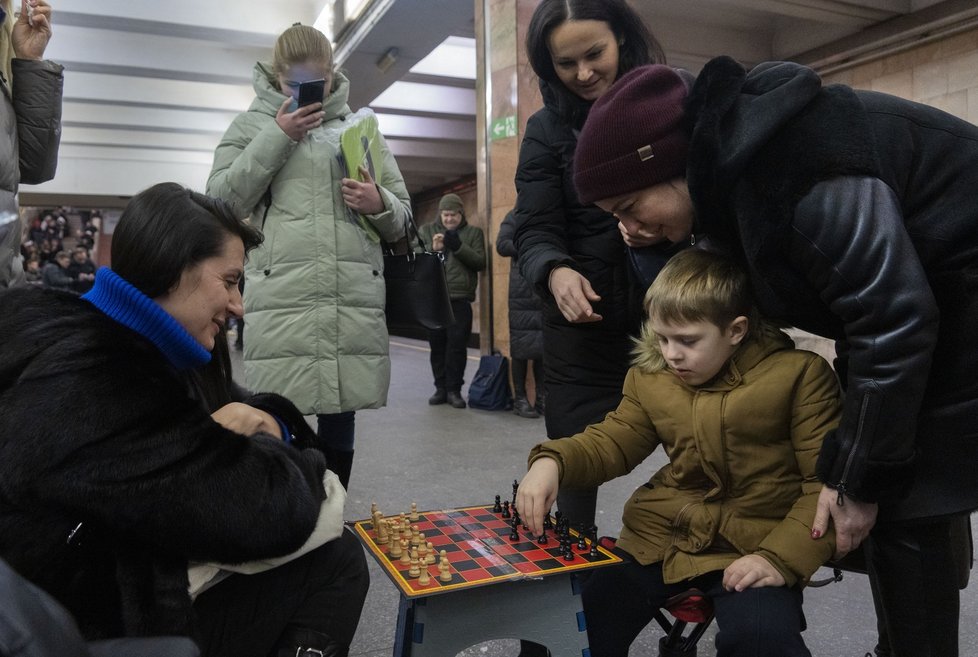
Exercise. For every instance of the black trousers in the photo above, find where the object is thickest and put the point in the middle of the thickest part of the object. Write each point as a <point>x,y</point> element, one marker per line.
<point>449,348</point>
<point>519,369</point>
<point>324,590</point>
<point>759,622</point>
<point>914,573</point>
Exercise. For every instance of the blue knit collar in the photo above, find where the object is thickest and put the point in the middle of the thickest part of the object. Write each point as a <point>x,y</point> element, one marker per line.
<point>118,299</point>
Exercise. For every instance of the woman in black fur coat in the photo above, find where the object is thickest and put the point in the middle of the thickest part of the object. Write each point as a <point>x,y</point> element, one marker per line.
<point>126,453</point>
<point>854,213</point>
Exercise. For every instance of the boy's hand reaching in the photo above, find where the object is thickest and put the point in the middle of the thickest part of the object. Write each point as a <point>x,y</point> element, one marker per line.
<point>537,493</point>
<point>751,571</point>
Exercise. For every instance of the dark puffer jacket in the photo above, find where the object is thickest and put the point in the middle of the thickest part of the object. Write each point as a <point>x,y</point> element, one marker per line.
<point>525,314</point>
<point>855,213</point>
<point>30,132</point>
<point>585,363</point>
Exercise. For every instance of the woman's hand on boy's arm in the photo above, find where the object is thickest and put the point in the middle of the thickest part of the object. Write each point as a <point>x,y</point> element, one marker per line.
<point>853,520</point>
<point>751,571</point>
<point>537,492</point>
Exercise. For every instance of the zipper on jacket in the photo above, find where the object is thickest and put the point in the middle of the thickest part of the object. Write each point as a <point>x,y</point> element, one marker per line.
<point>841,487</point>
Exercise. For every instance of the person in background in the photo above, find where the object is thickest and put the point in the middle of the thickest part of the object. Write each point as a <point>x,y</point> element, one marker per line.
<point>571,252</point>
<point>81,269</point>
<point>741,416</point>
<point>870,239</point>
<point>55,274</point>
<point>30,113</point>
<point>315,289</point>
<point>89,230</point>
<point>154,462</point>
<point>463,248</point>
<point>525,327</point>
<point>32,271</point>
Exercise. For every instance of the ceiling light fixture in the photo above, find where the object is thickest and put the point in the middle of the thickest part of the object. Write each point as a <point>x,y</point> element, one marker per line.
<point>387,60</point>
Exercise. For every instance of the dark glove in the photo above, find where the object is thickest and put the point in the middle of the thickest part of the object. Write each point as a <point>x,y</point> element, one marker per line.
<point>452,241</point>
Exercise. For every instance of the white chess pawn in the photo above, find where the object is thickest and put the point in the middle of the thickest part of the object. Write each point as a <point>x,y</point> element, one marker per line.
<point>444,569</point>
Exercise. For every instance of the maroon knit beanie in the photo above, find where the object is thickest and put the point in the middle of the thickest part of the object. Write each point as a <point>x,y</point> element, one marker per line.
<point>634,136</point>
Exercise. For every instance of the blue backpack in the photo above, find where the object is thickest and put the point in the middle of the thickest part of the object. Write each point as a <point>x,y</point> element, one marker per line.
<point>489,389</point>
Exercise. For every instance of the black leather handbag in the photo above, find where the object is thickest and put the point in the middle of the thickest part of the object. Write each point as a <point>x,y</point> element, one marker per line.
<point>417,291</point>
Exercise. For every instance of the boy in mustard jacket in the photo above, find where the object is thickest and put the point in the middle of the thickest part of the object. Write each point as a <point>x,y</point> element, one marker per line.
<point>741,415</point>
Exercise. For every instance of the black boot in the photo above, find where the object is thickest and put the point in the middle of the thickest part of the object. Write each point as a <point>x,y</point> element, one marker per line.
<point>521,406</point>
<point>303,642</point>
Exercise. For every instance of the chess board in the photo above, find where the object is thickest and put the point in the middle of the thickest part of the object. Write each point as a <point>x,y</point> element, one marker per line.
<point>480,551</point>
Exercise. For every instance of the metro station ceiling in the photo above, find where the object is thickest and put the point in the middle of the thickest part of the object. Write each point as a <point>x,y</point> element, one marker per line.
<point>151,86</point>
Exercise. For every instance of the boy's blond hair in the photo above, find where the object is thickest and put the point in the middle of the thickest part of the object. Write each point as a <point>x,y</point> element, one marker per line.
<point>694,286</point>
<point>301,43</point>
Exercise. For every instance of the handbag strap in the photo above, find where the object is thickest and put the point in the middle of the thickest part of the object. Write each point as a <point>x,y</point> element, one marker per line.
<point>407,239</point>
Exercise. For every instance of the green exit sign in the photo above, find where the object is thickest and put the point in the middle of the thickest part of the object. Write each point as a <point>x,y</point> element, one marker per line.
<point>503,127</point>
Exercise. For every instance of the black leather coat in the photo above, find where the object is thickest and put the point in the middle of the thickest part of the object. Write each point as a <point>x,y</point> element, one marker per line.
<point>855,214</point>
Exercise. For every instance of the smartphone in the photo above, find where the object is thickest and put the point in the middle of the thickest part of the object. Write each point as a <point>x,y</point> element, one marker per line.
<point>311,92</point>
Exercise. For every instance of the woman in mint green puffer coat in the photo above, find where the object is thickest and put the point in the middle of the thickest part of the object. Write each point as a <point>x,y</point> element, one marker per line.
<point>314,292</point>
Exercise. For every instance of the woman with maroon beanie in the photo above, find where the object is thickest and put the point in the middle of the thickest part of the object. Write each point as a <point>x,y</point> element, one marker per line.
<point>854,213</point>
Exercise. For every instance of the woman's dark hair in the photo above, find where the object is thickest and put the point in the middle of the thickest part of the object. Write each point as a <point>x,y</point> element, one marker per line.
<point>166,229</point>
<point>636,47</point>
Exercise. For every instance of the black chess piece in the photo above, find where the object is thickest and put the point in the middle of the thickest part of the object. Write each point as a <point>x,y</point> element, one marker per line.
<point>516,486</point>
<point>497,507</point>
<point>514,535</point>
<point>547,522</point>
<point>594,541</point>
<point>582,538</point>
<point>568,551</point>
<point>543,536</point>
<point>506,513</point>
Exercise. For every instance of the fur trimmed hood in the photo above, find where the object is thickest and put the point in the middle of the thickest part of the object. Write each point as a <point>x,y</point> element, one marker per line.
<point>647,357</point>
<point>768,116</point>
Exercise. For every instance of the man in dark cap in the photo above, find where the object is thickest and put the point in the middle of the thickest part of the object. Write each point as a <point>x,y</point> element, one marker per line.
<point>464,250</point>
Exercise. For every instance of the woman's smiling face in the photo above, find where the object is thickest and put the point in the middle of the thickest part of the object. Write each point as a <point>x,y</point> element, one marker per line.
<point>665,210</point>
<point>585,57</point>
<point>207,294</point>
